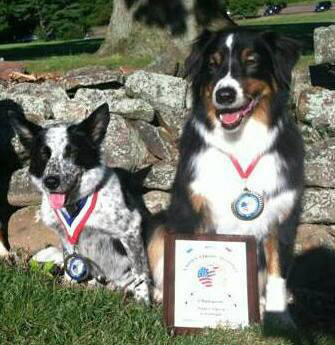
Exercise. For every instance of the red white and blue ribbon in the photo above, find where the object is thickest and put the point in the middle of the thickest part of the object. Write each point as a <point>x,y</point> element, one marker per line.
<point>74,224</point>
<point>248,205</point>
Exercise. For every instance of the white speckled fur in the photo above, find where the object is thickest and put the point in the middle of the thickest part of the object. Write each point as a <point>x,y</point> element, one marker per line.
<point>112,220</point>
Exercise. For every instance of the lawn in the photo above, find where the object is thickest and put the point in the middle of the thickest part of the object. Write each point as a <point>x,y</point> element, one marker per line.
<point>298,26</point>
<point>69,62</point>
<point>37,310</point>
<point>63,56</point>
<point>301,2</point>
<point>327,17</point>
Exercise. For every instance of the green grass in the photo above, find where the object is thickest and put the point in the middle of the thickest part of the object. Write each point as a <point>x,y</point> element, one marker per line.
<point>310,17</point>
<point>40,49</point>
<point>36,310</point>
<point>301,2</point>
<point>62,56</point>
<point>298,26</point>
<point>66,63</point>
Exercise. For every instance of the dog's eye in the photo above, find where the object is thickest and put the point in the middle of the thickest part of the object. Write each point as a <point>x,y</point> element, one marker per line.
<point>213,66</point>
<point>45,152</point>
<point>215,60</point>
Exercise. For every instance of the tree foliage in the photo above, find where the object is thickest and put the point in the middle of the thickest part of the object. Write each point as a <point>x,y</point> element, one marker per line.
<point>245,8</point>
<point>59,19</point>
<point>17,18</point>
<point>51,19</point>
<point>65,19</point>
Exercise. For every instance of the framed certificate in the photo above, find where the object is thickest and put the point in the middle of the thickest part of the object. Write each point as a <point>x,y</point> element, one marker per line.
<point>210,281</point>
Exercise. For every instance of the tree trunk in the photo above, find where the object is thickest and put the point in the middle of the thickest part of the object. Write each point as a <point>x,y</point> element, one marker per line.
<point>119,29</point>
<point>192,29</point>
<point>138,39</point>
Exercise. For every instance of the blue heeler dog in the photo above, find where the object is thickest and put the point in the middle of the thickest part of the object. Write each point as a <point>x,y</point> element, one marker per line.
<point>98,219</point>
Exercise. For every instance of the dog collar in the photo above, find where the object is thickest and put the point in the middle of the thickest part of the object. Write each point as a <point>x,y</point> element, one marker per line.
<point>74,224</point>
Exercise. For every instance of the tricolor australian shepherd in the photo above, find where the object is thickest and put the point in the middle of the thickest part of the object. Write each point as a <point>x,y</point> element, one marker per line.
<point>90,206</point>
<point>241,155</point>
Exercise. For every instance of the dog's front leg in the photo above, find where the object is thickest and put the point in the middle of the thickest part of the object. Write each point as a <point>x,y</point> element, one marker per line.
<point>133,244</point>
<point>276,298</point>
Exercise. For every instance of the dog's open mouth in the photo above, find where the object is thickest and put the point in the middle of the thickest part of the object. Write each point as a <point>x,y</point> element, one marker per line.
<point>231,119</point>
<point>57,200</point>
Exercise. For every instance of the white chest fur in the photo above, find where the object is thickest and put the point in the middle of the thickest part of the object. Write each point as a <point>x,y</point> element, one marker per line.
<point>217,179</point>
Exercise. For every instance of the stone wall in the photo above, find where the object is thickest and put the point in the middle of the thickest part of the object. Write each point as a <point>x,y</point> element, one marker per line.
<point>147,115</point>
<point>324,44</point>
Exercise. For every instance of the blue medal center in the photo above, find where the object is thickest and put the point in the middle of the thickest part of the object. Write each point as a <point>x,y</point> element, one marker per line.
<point>77,267</point>
<point>248,206</point>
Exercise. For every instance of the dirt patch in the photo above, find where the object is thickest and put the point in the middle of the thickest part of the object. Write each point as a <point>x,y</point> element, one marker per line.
<point>8,67</point>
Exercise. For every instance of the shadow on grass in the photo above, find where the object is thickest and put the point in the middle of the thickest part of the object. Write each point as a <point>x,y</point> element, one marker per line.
<point>303,32</point>
<point>312,283</point>
<point>45,49</point>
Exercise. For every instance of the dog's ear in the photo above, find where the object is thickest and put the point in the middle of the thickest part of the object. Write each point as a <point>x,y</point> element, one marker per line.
<point>25,129</point>
<point>95,126</point>
<point>195,60</point>
<point>284,53</point>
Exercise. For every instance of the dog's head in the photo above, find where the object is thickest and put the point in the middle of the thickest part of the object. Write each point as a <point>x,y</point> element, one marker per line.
<point>61,153</point>
<point>236,72</point>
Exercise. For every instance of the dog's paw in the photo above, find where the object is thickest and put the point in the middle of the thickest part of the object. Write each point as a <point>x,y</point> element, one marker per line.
<point>276,301</point>
<point>157,295</point>
<point>276,310</point>
<point>141,289</point>
<point>142,292</point>
<point>49,254</point>
<point>3,251</point>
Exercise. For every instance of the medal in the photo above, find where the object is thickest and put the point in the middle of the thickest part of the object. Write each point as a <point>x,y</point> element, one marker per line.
<point>77,267</point>
<point>248,206</point>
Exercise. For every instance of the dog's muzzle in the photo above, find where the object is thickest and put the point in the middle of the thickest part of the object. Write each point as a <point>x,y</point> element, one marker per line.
<point>225,96</point>
<point>52,182</point>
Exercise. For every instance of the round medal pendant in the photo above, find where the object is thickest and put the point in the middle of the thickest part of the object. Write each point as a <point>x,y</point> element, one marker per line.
<point>77,267</point>
<point>248,206</point>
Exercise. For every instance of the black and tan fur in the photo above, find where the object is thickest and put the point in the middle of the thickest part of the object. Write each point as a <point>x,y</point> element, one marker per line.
<point>248,74</point>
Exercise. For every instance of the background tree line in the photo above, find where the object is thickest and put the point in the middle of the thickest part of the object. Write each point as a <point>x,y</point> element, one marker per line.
<point>51,19</point>
<point>67,19</point>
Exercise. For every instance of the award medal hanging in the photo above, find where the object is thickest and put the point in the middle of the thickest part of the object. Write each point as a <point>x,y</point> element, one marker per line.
<point>75,265</point>
<point>248,205</point>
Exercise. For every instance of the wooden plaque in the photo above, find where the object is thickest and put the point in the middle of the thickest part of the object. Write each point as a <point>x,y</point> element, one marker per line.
<point>210,281</point>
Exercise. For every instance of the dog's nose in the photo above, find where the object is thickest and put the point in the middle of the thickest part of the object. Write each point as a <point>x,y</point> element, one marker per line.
<point>52,181</point>
<point>225,95</point>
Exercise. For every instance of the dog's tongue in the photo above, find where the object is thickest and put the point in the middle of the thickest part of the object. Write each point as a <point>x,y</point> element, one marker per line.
<point>57,200</point>
<point>229,119</point>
